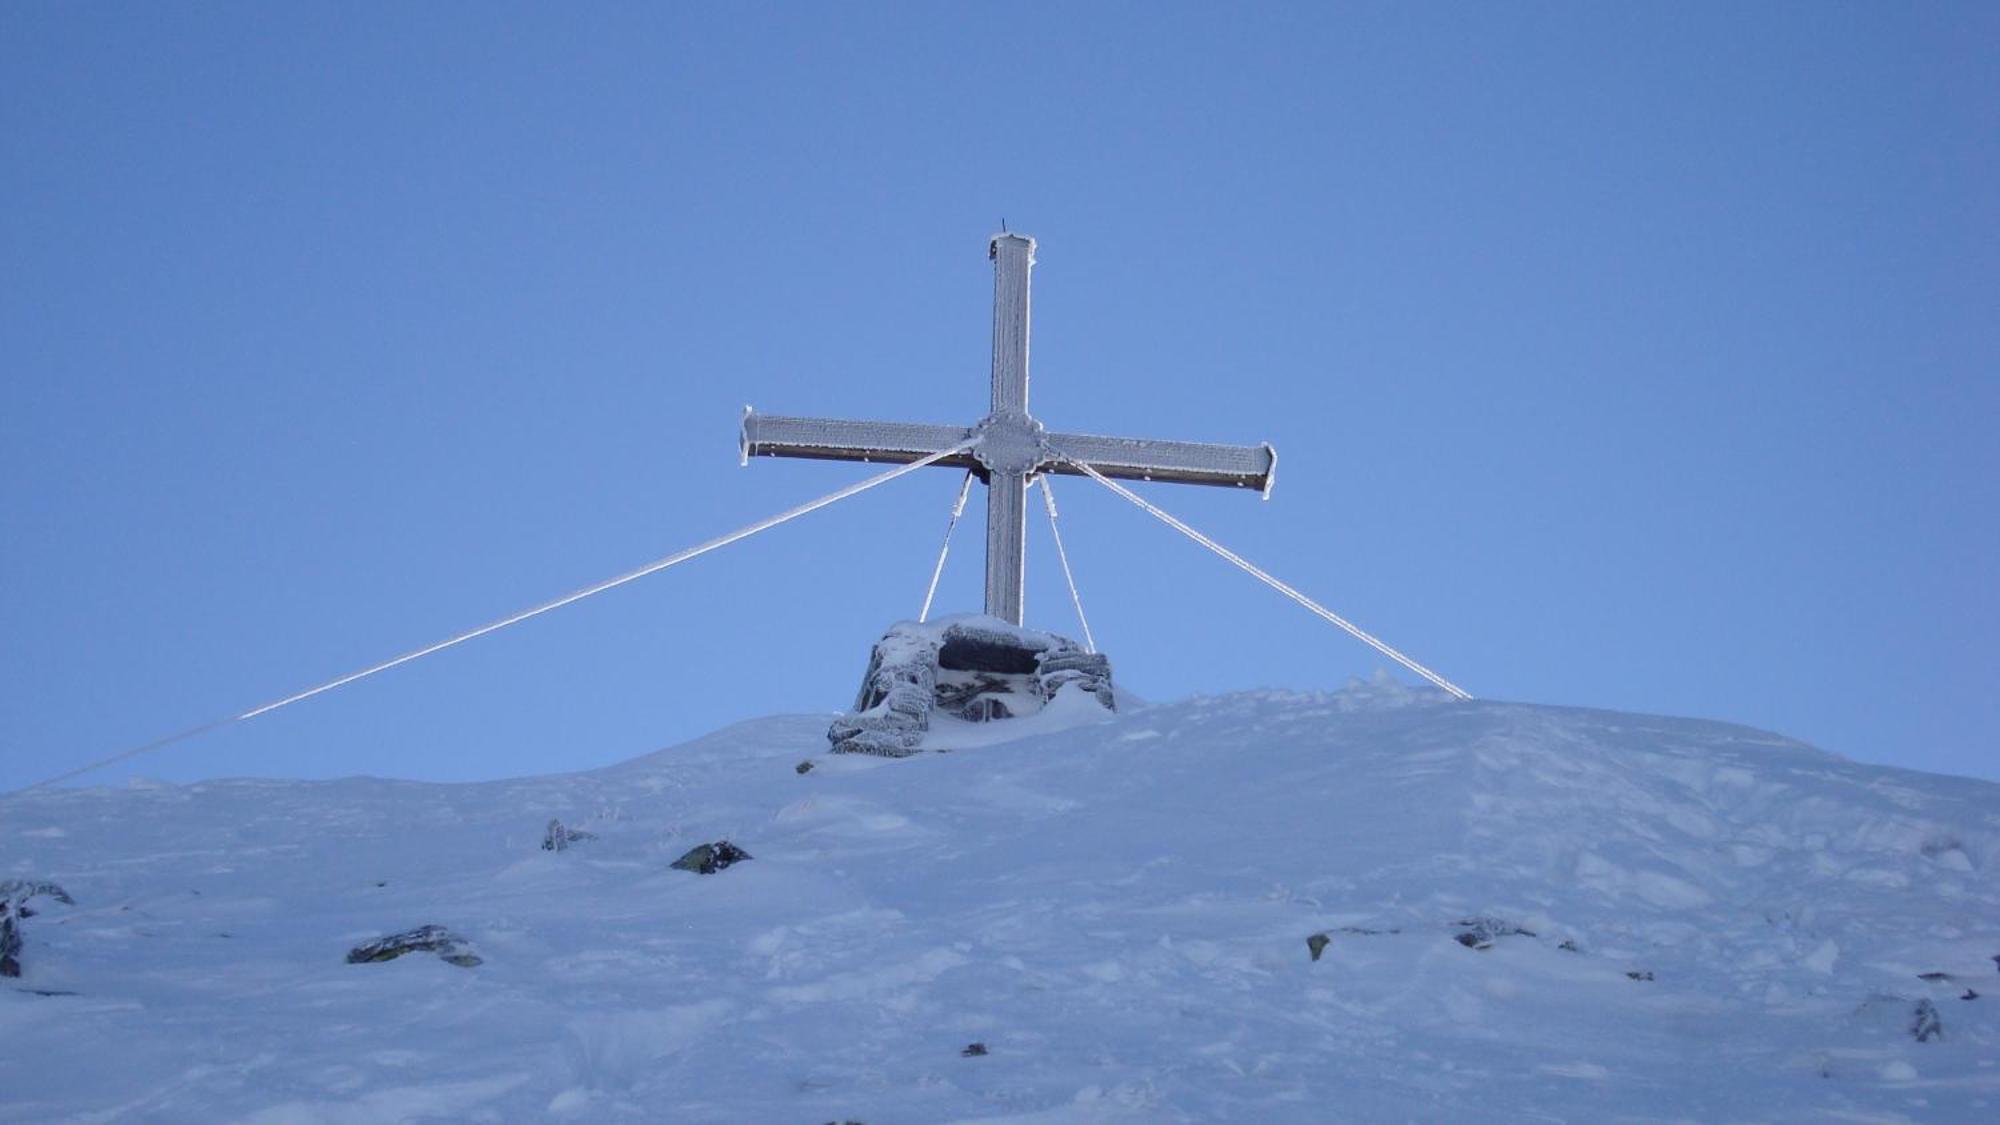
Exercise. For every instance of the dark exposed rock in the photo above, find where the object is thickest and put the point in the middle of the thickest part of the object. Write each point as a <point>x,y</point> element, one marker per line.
<point>1568,947</point>
<point>1639,974</point>
<point>1969,995</point>
<point>449,947</point>
<point>707,859</point>
<point>803,767</point>
<point>1480,933</point>
<point>1925,1024</point>
<point>986,650</point>
<point>1316,945</point>
<point>1933,976</point>
<point>14,896</point>
<point>973,1050</point>
<point>559,837</point>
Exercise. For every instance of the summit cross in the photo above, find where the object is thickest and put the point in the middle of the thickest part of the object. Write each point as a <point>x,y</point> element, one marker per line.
<point>1010,447</point>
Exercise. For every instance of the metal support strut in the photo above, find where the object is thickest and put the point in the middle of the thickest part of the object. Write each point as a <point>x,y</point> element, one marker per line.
<point>937,572</point>
<point>1261,575</point>
<point>1076,599</point>
<point>653,567</point>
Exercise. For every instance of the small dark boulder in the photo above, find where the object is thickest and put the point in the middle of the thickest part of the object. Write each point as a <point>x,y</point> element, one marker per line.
<point>803,767</point>
<point>449,947</point>
<point>707,859</point>
<point>1969,995</point>
<point>559,837</point>
<point>973,1050</point>
<point>1934,976</point>
<point>1569,947</point>
<point>1925,1024</point>
<point>1317,944</point>
<point>1639,974</point>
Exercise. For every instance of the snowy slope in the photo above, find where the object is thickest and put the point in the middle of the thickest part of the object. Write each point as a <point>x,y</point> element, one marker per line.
<point>1118,911</point>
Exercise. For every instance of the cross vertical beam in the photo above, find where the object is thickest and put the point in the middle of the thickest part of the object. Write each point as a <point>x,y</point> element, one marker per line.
<point>1013,259</point>
<point>1007,484</point>
<point>1011,446</point>
<point>1006,546</point>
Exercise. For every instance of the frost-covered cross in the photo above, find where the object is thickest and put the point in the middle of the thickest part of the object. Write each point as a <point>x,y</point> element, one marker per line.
<point>1013,448</point>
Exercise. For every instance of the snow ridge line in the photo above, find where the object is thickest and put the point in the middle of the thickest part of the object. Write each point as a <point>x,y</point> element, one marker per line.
<point>653,567</point>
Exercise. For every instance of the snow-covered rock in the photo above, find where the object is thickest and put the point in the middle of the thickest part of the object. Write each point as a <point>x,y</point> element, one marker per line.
<point>559,836</point>
<point>1115,910</point>
<point>968,667</point>
<point>15,895</point>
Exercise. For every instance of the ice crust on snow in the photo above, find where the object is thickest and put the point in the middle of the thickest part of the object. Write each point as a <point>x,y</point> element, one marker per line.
<point>1118,910</point>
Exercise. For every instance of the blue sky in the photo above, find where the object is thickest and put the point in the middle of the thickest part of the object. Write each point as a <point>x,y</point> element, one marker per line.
<point>1635,357</point>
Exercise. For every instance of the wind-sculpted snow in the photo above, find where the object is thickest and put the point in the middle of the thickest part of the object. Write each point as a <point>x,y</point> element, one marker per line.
<point>1668,920</point>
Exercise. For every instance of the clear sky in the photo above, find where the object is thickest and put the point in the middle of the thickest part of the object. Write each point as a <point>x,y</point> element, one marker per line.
<point>1623,356</point>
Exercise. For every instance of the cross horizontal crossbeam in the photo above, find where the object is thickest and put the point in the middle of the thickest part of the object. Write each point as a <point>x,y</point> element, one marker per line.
<point>1181,462</point>
<point>1010,448</point>
<point>899,443</point>
<point>837,439</point>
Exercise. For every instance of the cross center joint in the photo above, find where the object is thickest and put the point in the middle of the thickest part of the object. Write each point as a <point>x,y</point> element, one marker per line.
<point>1011,443</point>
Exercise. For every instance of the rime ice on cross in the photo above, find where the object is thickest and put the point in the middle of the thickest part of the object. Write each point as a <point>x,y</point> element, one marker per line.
<point>1013,447</point>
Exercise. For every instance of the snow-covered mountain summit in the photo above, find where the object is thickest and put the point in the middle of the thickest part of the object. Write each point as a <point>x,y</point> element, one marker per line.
<point>1528,913</point>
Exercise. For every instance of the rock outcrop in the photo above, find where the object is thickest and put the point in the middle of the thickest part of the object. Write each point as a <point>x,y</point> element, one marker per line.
<point>1481,933</point>
<point>450,948</point>
<point>707,859</point>
<point>1925,1023</point>
<point>560,836</point>
<point>972,668</point>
